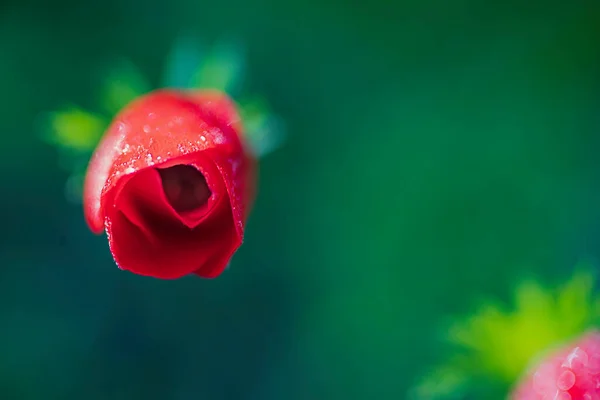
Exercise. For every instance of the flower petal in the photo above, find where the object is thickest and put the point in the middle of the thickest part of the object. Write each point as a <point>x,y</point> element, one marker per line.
<point>148,237</point>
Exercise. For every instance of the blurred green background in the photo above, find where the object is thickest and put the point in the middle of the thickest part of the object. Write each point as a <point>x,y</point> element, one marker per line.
<point>437,151</point>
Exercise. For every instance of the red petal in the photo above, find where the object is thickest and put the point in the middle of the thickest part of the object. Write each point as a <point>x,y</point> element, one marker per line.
<point>148,237</point>
<point>123,191</point>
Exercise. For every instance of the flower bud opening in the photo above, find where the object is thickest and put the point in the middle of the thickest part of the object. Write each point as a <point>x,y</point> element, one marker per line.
<point>185,187</point>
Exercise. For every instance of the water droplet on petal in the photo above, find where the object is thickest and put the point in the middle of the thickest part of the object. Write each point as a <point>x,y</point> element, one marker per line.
<point>566,380</point>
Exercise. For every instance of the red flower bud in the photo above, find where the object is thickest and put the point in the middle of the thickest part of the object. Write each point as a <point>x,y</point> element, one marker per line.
<point>172,183</point>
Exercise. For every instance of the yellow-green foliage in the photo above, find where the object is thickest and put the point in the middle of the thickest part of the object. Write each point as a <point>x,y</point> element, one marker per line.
<point>496,344</point>
<point>75,129</point>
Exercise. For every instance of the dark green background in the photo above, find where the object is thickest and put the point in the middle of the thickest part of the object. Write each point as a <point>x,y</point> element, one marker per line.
<point>437,151</point>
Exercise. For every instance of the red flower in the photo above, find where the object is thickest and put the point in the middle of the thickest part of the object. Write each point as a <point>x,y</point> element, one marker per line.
<point>571,373</point>
<point>172,183</point>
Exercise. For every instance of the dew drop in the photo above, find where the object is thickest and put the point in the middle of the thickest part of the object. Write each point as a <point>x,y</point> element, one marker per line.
<point>566,380</point>
<point>121,127</point>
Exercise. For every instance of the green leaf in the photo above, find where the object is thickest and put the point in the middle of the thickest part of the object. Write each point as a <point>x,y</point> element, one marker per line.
<point>74,187</point>
<point>122,84</point>
<point>265,131</point>
<point>575,304</point>
<point>182,63</point>
<point>222,69</point>
<point>444,382</point>
<point>74,129</point>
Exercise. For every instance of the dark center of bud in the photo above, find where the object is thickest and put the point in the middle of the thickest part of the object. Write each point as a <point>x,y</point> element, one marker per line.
<point>185,187</point>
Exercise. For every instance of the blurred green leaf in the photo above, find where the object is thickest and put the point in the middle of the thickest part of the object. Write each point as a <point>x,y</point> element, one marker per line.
<point>444,382</point>
<point>221,69</point>
<point>265,131</point>
<point>74,129</point>
<point>122,84</point>
<point>576,306</point>
<point>74,187</point>
<point>182,63</point>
